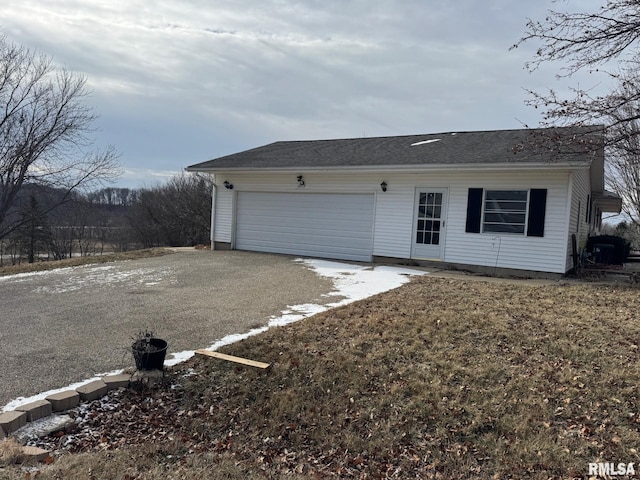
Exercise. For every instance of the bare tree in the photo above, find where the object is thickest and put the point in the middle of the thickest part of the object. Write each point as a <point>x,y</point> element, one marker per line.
<point>602,42</point>
<point>605,43</point>
<point>45,126</point>
<point>623,162</point>
<point>175,214</point>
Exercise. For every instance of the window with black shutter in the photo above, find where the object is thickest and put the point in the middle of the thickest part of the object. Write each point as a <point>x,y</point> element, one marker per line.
<point>518,212</point>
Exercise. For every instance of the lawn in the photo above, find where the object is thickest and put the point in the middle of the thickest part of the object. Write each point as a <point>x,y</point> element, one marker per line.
<point>441,378</point>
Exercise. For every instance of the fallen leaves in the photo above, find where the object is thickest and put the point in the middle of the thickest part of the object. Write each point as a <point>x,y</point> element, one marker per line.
<point>437,379</point>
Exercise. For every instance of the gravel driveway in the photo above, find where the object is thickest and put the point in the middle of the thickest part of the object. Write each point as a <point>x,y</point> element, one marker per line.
<point>66,325</point>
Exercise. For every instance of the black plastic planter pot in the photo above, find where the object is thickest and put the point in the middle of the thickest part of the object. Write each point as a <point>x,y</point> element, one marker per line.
<point>149,355</point>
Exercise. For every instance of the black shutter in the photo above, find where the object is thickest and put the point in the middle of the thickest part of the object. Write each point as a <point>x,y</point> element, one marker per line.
<point>474,210</point>
<point>537,210</point>
<point>588,216</point>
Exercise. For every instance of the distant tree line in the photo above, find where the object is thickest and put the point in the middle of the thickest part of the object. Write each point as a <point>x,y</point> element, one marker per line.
<point>177,213</point>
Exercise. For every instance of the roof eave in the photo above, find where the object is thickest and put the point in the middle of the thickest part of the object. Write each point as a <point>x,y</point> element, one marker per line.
<point>400,168</point>
<point>608,202</point>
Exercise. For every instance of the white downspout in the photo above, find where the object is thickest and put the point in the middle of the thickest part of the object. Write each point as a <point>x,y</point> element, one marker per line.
<point>567,253</point>
<point>213,213</point>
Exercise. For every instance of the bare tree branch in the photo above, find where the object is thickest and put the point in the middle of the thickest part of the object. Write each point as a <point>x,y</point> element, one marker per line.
<point>606,41</point>
<point>45,128</point>
<point>585,39</point>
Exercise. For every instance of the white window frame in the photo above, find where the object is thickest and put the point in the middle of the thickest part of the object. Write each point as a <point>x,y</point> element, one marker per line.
<point>525,211</point>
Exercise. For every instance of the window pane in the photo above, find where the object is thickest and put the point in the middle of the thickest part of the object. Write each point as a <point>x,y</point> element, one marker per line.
<point>428,225</point>
<point>503,228</point>
<point>429,212</point>
<point>421,212</point>
<point>435,240</point>
<point>504,205</point>
<point>519,195</point>
<point>427,238</point>
<point>437,212</point>
<point>436,226</point>
<point>423,198</point>
<point>420,237</point>
<point>494,205</point>
<point>505,211</point>
<point>438,199</point>
<point>420,224</point>
<point>504,218</point>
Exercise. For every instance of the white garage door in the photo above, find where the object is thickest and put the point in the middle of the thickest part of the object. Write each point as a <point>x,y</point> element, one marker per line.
<point>315,225</point>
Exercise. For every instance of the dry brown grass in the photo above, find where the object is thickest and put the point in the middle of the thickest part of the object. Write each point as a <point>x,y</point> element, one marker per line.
<point>442,378</point>
<point>10,452</point>
<point>77,261</point>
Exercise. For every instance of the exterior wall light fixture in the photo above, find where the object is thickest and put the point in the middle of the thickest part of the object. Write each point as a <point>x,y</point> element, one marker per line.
<point>383,186</point>
<point>227,185</point>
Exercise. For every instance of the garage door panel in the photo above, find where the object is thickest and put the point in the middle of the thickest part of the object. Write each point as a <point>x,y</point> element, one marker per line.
<point>256,214</point>
<point>337,242</point>
<point>310,251</point>
<point>326,251</point>
<point>309,237</point>
<point>317,225</point>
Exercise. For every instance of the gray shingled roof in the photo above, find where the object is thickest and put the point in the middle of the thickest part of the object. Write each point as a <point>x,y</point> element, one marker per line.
<point>453,148</point>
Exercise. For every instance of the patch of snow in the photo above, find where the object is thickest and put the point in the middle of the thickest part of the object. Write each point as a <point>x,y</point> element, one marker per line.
<point>424,142</point>
<point>43,426</point>
<point>356,282</point>
<point>106,276</point>
<point>20,277</point>
<point>90,275</point>
<point>179,357</point>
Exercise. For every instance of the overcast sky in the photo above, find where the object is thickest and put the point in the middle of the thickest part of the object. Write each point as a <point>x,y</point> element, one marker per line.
<point>180,82</point>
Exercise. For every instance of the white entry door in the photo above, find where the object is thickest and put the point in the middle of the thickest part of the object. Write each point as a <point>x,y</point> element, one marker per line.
<point>429,223</point>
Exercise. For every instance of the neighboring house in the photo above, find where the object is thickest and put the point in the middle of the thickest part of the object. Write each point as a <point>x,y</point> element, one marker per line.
<point>488,200</point>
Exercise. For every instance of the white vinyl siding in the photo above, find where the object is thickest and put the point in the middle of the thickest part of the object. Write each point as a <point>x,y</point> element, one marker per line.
<point>545,253</point>
<point>223,219</point>
<point>394,212</point>
<point>577,224</point>
<point>310,224</point>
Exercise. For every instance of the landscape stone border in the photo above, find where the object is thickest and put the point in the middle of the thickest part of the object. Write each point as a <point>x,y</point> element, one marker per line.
<point>12,421</point>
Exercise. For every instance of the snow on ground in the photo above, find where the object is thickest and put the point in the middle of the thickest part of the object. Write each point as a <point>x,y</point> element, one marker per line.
<point>75,278</point>
<point>352,283</point>
<point>107,275</point>
<point>21,277</point>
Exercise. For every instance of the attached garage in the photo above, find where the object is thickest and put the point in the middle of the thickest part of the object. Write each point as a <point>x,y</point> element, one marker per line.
<point>493,201</point>
<point>336,226</point>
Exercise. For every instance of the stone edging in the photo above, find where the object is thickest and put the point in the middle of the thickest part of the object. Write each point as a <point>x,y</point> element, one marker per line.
<point>59,402</point>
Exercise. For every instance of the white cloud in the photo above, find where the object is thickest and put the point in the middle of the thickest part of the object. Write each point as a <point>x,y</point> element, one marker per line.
<point>182,82</point>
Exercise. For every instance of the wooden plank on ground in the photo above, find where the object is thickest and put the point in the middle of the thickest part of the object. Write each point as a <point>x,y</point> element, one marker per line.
<point>231,358</point>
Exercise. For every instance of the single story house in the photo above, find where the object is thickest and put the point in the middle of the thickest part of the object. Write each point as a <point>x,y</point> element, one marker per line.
<point>487,200</point>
